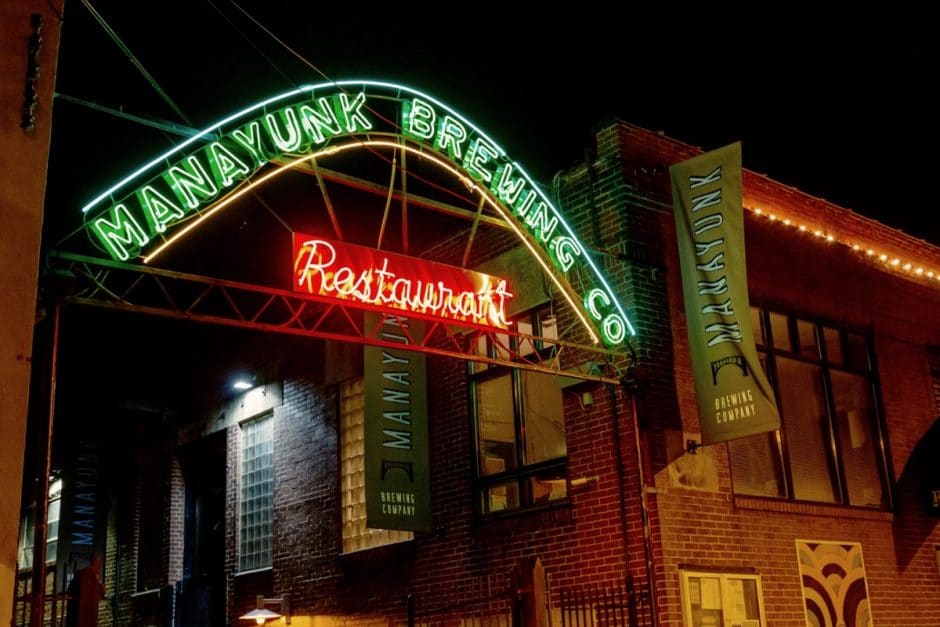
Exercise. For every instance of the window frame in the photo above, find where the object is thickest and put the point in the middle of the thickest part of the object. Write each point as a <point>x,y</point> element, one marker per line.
<point>771,351</point>
<point>240,559</point>
<point>522,472</point>
<point>723,576</point>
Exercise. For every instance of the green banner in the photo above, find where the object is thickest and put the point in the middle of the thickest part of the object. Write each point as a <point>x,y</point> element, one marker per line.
<point>734,397</point>
<point>398,480</point>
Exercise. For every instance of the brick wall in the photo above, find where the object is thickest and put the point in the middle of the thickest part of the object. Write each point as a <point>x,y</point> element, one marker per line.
<point>619,202</point>
<point>797,272</point>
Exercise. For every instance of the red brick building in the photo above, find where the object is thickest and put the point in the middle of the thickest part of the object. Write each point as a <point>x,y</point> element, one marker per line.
<point>259,493</point>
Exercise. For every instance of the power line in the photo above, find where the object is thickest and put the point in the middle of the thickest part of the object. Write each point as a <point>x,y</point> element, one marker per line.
<point>281,42</point>
<point>252,43</point>
<point>137,64</point>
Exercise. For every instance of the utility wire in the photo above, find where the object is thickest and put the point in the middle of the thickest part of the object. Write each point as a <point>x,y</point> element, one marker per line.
<point>281,42</point>
<point>252,43</point>
<point>137,64</point>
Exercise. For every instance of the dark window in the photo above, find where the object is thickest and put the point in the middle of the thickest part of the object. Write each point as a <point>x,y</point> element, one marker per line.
<point>829,448</point>
<point>520,423</point>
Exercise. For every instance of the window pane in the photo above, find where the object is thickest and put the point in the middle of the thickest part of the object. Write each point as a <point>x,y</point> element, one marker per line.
<point>857,352</point>
<point>833,345</point>
<point>501,346</point>
<point>751,600</point>
<point>807,430</point>
<point>544,418</point>
<point>479,347</point>
<point>549,329</point>
<point>855,418</point>
<point>256,490</point>
<point>757,325</point>
<point>755,465</point>
<point>548,485</point>
<point>526,346</point>
<point>496,424</point>
<point>781,332</point>
<point>705,601</point>
<point>807,334</point>
<point>499,497</point>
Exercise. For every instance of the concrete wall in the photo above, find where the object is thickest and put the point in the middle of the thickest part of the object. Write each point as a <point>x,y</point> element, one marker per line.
<point>23,160</point>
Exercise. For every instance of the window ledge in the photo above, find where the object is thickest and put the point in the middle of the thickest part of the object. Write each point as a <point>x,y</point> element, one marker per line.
<point>811,509</point>
<point>248,573</point>
<point>146,593</point>
<point>551,509</point>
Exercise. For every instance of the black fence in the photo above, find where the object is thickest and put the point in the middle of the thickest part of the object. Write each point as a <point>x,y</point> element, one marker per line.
<point>604,605</point>
<point>497,603</point>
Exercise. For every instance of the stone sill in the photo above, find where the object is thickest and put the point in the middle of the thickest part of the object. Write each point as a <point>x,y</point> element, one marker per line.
<point>812,509</point>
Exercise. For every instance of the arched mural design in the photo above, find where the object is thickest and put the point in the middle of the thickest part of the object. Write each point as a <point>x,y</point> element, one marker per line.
<point>165,198</point>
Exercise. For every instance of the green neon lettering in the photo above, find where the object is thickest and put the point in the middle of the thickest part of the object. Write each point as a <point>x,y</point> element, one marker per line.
<point>351,112</point>
<point>304,119</point>
<point>292,142</point>
<point>590,302</point>
<point>522,208</point>
<point>564,250</point>
<point>418,119</point>
<point>249,138</point>
<point>507,189</point>
<point>481,152</point>
<point>225,166</point>
<point>319,123</point>
<point>614,328</point>
<point>158,209</point>
<point>190,182</point>
<point>538,219</point>
<point>450,134</point>
<point>119,233</point>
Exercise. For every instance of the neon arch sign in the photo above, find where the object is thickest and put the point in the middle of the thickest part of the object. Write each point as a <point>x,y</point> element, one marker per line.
<point>314,120</point>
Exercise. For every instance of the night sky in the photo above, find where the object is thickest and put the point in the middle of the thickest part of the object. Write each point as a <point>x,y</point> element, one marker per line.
<point>844,109</point>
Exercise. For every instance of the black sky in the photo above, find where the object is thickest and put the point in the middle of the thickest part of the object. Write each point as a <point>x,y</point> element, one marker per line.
<point>843,108</point>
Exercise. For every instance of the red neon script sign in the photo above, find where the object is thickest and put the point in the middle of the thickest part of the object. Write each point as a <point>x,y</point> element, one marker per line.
<point>377,279</point>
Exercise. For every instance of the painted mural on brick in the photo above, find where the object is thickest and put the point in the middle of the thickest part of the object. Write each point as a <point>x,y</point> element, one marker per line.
<point>835,591</point>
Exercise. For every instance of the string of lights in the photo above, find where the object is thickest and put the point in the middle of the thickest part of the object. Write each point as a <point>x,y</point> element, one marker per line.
<point>886,260</point>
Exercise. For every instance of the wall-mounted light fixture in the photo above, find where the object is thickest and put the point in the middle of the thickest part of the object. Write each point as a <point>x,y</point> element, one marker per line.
<point>261,614</point>
<point>583,481</point>
<point>243,381</point>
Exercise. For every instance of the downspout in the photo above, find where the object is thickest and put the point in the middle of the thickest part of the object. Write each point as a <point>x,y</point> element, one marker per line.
<point>621,484</point>
<point>631,387</point>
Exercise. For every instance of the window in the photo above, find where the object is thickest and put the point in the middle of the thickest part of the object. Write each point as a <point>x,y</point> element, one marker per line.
<point>520,423</point>
<point>828,448</point>
<point>356,536</point>
<point>27,537</point>
<point>255,527</point>
<point>721,600</point>
<point>150,516</point>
